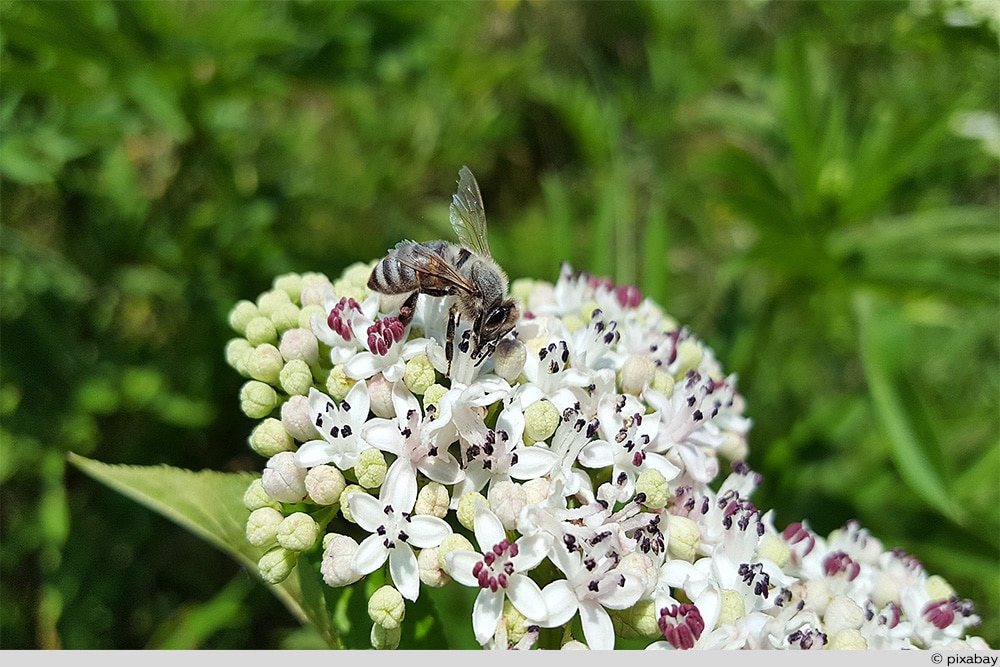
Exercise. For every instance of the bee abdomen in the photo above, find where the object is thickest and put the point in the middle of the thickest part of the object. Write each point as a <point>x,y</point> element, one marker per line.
<point>390,276</point>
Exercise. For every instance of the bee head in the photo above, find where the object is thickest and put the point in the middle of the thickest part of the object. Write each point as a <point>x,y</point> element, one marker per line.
<point>499,320</point>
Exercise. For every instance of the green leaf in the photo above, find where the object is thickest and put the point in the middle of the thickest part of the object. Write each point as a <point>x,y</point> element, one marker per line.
<point>209,504</point>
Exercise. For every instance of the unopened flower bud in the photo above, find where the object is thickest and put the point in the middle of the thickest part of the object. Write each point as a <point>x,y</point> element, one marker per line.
<point>301,344</point>
<point>886,590</point>
<point>574,645</point>
<point>816,595</point>
<point>509,358</point>
<point>431,573</point>
<point>637,374</point>
<point>843,613</point>
<point>338,550</point>
<point>774,549</point>
<point>241,314</point>
<point>269,437</point>
<point>314,292</point>
<point>433,395</point>
<point>306,316</point>
<point>285,317</point>
<point>345,509</point>
<point>938,588</point>
<point>298,532</point>
<point>540,421</point>
<point>262,526</point>
<point>433,500</point>
<point>268,301</point>
<point>386,607</point>
<point>662,383</point>
<point>380,395</point>
<point>466,512</point>
<point>276,565</point>
<point>689,355</point>
<point>733,607</point>
<point>353,283</point>
<point>237,352</point>
<point>385,639</point>
<point>653,485</point>
<point>371,468</point>
<point>419,374</point>
<point>256,497</point>
<point>295,418</point>
<point>638,621</point>
<point>296,378</point>
<point>290,284</point>
<point>324,484</point>
<point>515,622</point>
<point>536,490</point>
<point>257,399</point>
<point>685,538</point>
<point>848,639</point>
<point>261,330</point>
<point>507,499</point>
<point>283,480</point>
<point>734,447</point>
<point>264,363</point>
<point>338,384</point>
<point>452,542</point>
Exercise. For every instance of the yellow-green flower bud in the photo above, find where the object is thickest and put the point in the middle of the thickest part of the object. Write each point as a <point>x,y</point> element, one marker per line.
<point>419,374</point>
<point>261,330</point>
<point>386,607</point>
<point>264,363</point>
<point>774,549</point>
<point>269,437</point>
<point>689,355</point>
<point>290,284</point>
<point>638,621</point>
<point>452,542</point>
<point>886,590</point>
<point>540,421</point>
<point>237,352</point>
<point>285,317</point>
<point>734,447</point>
<point>433,500</point>
<point>733,607</point>
<point>507,499</point>
<point>536,490</point>
<point>345,509</point>
<point>262,526</point>
<point>241,314</point>
<point>466,512</point>
<point>637,374</point>
<point>684,538</point>
<point>653,485</point>
<point>301,344</point>
<point>298,532</point>
<point>662,383</point>
<point>430,571</point>
<point>938,588</point>
<point>816,595</point>
<point>338,550</point>
<point>338,384</point>
<point>271,300</point>
<point>370,468</point>
<point>433,394</point>
<point>257,399</point>
<point>276,565</point>
<point>306,314</point>
<point>586,311</point>
<point>509,358</point>
<point>515,622</point>
<point>296,378</point>
<point>283,480</point>
<point>353,283</point>
<point>324,484</point>
<point>849,639</point>
<point>256,497</point>
<point>574,645</point>
<point>385,639</point>
<point>843,613</point>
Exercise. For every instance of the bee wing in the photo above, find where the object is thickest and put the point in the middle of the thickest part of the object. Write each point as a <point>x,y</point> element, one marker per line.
<point>468,218</point>
<point>424,260</point>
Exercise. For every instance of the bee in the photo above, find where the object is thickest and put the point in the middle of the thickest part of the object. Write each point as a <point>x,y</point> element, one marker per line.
<point>464,270</point>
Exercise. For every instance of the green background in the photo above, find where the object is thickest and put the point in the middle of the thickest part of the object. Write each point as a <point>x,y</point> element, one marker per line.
<point>812,187</point>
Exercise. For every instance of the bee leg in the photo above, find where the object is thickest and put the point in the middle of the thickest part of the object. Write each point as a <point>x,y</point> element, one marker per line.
<point>407,309</point>
<point>449,345</point>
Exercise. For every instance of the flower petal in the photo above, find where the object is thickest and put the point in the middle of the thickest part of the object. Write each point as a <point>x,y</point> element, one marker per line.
<point>459,564</point>
<point>526,596</point>
<point>597,627</point>
<point>404,571</point>
<point>487,527</point>
<point>427,531</point>
<point>560,602</point>
<point>485,614</point>
<point>314,453</point>
<point>366,510</point>
<point>370,555</point>
<point>597,454</point>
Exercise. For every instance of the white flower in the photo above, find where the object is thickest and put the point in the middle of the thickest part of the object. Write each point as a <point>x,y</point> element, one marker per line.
<point>499,573</point>
<point>394,533</point>
<point>340,425</point>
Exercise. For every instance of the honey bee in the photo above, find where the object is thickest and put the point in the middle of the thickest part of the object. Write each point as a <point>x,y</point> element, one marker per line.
<point>465,271</point>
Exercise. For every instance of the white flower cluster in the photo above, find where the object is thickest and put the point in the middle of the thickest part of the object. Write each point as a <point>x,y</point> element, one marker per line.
<point>572,475</point>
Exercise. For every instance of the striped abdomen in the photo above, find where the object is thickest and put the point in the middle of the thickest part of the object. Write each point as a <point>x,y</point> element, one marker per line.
<point>391,276</point>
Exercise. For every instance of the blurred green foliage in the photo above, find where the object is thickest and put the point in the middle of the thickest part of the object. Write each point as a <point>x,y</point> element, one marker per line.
<point>811,186</point>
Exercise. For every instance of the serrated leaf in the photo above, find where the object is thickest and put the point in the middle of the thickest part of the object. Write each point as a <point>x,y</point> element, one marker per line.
<point>208,503</point>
